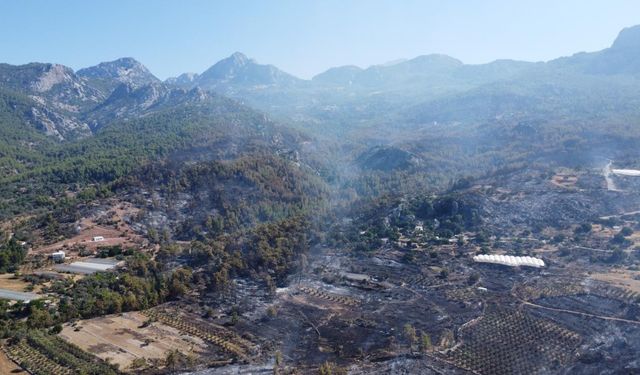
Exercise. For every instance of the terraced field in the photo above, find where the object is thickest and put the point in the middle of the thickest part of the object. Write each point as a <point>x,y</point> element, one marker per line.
<point>34,361</point>
<point>513,342</point>
<point>332,297</point>
<point>572,287</point>
<point>44,354</point>
<point>219,336</point>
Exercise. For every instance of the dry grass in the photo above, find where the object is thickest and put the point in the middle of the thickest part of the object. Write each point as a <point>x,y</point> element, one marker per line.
<point>9,282</point>
<point>621,278</point>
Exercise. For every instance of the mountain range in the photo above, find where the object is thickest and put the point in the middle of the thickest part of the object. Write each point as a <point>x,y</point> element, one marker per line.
<point>68,104</point>
<point>443,113</point>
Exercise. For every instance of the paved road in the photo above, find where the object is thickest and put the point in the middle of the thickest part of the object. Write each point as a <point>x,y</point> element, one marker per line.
<point>620,215</point>
<point>18,296</point>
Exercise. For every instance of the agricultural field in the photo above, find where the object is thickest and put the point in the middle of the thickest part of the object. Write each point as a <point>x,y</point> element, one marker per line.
<point>41,353</point>
<point>227,343</point>
<point>337,299</point>
<point>131,338</point>
<point>621,278</point>
<point>513,342</point>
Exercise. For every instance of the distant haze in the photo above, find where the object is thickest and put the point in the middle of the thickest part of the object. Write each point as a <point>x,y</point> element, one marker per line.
<point>303,37</point>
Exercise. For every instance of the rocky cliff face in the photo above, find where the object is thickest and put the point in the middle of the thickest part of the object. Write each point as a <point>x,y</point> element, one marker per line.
<point>58,96</point>
<point>128,102</point>
<point>109,75</point>
<point>183,80</point>
<point>69,105</point>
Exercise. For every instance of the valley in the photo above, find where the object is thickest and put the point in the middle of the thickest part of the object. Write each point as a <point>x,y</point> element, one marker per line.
<point>421,217</point>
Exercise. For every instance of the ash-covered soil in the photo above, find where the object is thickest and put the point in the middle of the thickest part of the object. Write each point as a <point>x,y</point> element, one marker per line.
<point>429,309</point>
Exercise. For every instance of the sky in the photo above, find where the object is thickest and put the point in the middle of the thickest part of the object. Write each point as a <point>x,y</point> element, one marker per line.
<point>303,37</point>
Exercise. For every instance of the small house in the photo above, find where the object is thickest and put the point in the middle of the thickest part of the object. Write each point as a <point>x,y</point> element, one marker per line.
<point>98,239</point>
<point>58,256</point>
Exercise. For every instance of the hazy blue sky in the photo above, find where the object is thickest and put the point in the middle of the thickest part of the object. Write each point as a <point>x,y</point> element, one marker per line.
<point>303,37</point>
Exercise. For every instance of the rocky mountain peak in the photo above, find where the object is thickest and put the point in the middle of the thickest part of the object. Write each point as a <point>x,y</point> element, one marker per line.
<point>183,80</point>
<point>238,58</point>
<point>622,58</point>
<point>227,68</point>
<point>239,71</point>
<point>124,70</point>
<point>51,75</point>
<point>628,38</point>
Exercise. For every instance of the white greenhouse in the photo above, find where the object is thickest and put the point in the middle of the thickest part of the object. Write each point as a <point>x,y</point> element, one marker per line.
<point>509,260</point>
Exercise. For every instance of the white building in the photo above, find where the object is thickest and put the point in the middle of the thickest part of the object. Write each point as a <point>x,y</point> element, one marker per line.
<point>58,256</point>
<point>98,239</point>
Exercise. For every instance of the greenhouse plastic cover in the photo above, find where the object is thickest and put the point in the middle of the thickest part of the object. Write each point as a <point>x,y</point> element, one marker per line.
<point>509,260</point>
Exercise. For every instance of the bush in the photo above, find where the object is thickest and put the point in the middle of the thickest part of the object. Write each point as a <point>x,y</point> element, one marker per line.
<point>56,329</point>
<point>626,231</point>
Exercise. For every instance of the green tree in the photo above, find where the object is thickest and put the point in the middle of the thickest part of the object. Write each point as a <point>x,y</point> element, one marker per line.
<point>410,334</point>
<point>425,342</point>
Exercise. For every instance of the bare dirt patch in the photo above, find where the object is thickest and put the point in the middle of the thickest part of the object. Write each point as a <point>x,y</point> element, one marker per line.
<point>122,339</point>
<point>624,279</point>
<point>10,282</point>
<point>7,366</point>
<point>566,181</point>
<point>110,225</point>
